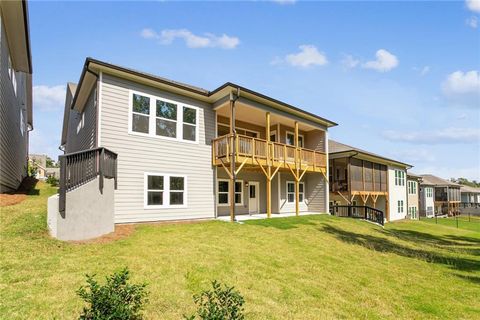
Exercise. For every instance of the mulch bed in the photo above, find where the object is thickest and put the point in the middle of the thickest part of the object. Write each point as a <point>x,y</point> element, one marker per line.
<point>26,187</point>
<point>11,199</point>
<point>121,231</point>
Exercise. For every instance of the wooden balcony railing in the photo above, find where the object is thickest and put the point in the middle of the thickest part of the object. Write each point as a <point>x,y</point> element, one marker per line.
<point>260,151</point>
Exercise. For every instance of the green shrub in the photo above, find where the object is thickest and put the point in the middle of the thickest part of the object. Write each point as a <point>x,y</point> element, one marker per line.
<point>32,169</point>
<point>52,181</point>
<point>115,300</point>
<point>220,303</point>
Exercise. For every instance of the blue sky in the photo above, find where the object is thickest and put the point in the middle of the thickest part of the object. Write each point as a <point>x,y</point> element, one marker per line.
<point>400,78</point>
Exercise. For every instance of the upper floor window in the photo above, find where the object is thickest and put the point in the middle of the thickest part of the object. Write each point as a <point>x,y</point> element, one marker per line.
<point>429,192</point>
<point>412,187</point>
<point>399,178</point>
<point>290,139</point>
<point>163,118</point>
<point>12,75</point>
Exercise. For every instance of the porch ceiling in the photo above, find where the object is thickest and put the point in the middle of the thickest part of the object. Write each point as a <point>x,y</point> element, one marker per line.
<point>247,113</point>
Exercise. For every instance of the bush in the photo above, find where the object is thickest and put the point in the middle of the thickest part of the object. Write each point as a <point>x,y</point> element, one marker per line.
<point>221,303</point>
<point>116,299</point>
<point>52,181</point>
<point>32,169</point>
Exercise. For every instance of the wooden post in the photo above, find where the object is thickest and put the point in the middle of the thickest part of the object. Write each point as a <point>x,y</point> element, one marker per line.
<point>297,182</point>
<point>269,166</point>
<point>232,162</point>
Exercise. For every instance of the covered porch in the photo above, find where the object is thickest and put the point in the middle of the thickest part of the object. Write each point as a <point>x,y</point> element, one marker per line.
<point>255,138</point>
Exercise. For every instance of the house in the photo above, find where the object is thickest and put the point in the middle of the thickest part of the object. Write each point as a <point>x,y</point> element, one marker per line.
<point>183,152</point>
<point>426,198</point>
<point>15,93</point>
<point>43,171</point>
<point>446,194</point>
<point>413,195</point>
<point>359,177</point>
<point>470,200</point>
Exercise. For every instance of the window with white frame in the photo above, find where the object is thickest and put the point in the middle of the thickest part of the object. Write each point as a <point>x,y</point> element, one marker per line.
<point>224,129</point>
<point>163,190</point>
<point>429,192</point>
<point>291,191</point>
<point>159,117</point>
<point>399,178</point>
<point>223,193</point>
<point>400,206</point>
<point>412,187</point>
<point>12,75</point>
<point>412,211</point>
<point>22,123</point>
<point>290,139</point>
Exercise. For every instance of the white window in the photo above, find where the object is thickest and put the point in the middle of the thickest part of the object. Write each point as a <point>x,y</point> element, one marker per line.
<point>165,191</point>
<point>429,211</point>
<point>291,192</point>
<point>412,187</point>
<point>22,123</point>
<point>290,139</point>
<point>12,75</point>
<point>399,178</point>
<point>224,129</point>
<point>223,193</point>
<point>400,206</point>
<point>429,192</point>
<point>81,123</point>
<point>160,117</point>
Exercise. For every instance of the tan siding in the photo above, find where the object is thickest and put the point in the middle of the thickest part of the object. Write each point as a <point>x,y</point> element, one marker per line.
<point>86,137</point>
<point>13,145</point>
<point>315,192</point>
<point>140,154</point>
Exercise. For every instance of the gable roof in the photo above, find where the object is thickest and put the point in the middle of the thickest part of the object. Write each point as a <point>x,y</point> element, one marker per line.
<point>338,148</point>
<point>92,66</point>
<point>430,179</point>
<point>469,189</point>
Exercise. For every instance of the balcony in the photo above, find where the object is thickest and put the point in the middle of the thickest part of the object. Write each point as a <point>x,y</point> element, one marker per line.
<point>257,152</point>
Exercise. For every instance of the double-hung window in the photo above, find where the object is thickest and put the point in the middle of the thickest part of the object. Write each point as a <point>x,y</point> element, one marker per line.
<point>223,197</point>
<point>290,139</point>
<point>400,206</point>
<point>291,191</point>
<point>412,187</point>
<point>159,117</point>
<point>164,191</point>
<point>429,192</point>
<point>399,178</point>
<point>12,75</point>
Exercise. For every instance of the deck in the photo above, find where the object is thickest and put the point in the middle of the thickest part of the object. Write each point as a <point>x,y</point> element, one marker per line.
<point>254,152</point>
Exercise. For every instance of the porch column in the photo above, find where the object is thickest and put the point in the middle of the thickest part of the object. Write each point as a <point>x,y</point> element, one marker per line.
<point>269,165</point>
<point>297,181</point>
<point>233,148</point>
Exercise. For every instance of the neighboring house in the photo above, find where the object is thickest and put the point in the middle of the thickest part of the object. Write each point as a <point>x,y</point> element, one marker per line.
<point>413,195</point>
<point>15,93</point>
<point>427,199</point>
<point>189,153</point>
<point>359,177</point>
<point>470,200</point>
<point>446,194</point>
<point>43,171</point>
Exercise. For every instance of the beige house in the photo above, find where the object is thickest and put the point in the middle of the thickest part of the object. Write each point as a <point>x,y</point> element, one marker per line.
<point>15,93</point>
<point>446,194</point>
<point>184,152</point>
<point>413,196</point>
<point>366,180</point>
<point>470,200</point>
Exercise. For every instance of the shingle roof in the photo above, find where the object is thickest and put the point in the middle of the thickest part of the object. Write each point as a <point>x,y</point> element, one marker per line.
<point>436,181</point>
<point>337,147</point>
<point>470,189</point>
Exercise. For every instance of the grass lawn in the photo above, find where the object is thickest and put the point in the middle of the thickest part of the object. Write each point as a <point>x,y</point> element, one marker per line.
<point>464,222</point>
<point>312,267</point>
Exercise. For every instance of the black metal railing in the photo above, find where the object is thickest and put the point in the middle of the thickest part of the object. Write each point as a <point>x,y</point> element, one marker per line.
<point>78,168</point>
<point>359,212</point>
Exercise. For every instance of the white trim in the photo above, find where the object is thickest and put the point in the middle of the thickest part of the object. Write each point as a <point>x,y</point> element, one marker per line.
<point>257,195</point>
<point>274,132</point>
<point>236,127</point>
<point>166,191</point>
<point>303,193</point>
<point>99,109</point>
<point>228,193</point>
<point>326,179</point>
<point>299,135</point>
<point>153,116</point>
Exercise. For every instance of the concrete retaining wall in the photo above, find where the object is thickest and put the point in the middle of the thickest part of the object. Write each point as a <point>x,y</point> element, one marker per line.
<point>88,213</point>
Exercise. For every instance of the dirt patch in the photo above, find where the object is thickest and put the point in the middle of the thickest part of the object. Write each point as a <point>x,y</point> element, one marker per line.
<point>122,231</point>
<point>11,199</point>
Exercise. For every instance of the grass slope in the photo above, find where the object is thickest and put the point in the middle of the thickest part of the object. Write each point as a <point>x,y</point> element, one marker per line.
<point>312,267</point>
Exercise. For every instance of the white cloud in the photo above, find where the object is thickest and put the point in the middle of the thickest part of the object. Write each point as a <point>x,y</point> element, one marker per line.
<point>349,62</point>
<point>442,136</point>
<point>208,40</point>
<point>473,5</point>
<point>284,1</point>
<point>385,61</point>
<point>410,155</point>
<point>472,22</point>
<point>460,82</point>
<point>47,98</point>
<point>308,56</point>
<point>424,70</point>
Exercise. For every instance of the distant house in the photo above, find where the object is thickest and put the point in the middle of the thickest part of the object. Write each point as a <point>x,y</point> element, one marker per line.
<point>446,196</point>
<point>359,177</point>
<point>426,199</point>
<point>15,93</point>
<point>42,170</point>
<point>413,195</point>
<point>470,200</point>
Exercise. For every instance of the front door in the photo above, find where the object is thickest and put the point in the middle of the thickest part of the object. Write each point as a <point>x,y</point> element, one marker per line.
<point>253,197</point>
